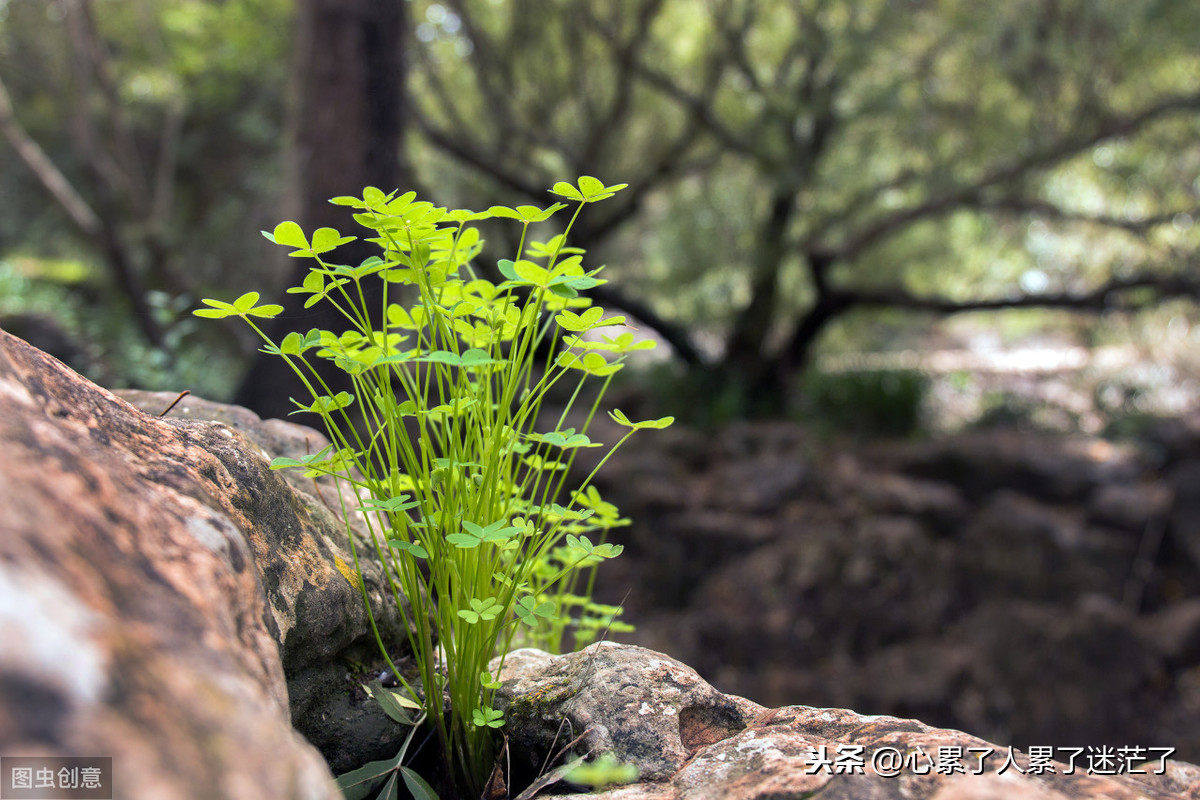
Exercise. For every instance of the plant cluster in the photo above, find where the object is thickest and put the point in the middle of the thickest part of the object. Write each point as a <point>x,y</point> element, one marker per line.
<point>439,448</point>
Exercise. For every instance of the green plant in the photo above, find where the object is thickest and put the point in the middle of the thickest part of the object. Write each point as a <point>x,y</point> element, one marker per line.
<point>464,497</point>
<point>866,402</point>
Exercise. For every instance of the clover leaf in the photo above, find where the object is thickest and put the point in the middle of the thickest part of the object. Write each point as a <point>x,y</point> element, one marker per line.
<point>528,610</point>
<point>620,418</point>
<point>486,609</point>
<point>487,717</point>
<point>591,318</point>
<point>474,535</point>
<point>244,306</point>
<point>590,190</point>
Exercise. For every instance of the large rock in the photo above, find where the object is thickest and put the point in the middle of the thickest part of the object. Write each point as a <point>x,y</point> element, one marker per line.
<point>300,547</point>
<point>691,742</point>
<point>152,572</point>
<point>1024,587</point>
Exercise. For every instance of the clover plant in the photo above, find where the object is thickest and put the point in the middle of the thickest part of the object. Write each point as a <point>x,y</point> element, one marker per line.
<point>440,449</point>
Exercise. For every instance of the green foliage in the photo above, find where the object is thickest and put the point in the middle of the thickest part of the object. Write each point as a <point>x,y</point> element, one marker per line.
<point>463,494</point>
<point>382,779</point>
<point>169,128</point>
<point>607,770</point>
<point>798,156</point>
<point>867,402</point>
<point>947,151</point>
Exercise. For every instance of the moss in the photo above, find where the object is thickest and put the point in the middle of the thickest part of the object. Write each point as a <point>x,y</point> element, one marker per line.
<point>542,702</point>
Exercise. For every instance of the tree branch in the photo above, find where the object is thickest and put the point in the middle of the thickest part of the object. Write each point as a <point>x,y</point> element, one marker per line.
<point>700,108</point>
<point>490,166</point>
<point>1138,226</point>
<point>946,202</point>
<point>29,151</point>
<point>1117,294</point>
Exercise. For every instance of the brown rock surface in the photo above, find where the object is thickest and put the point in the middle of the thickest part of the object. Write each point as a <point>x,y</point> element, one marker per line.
<point>691,742</point>
<point>1027,587</point>
<point>299,540</point>
<point>151,573</point>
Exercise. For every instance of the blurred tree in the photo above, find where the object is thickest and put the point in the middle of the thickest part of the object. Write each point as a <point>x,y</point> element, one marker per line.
<point>804,159</point>
<point>111,110</point>
<point>789,161</point>
<point>127,189</point>
<point>345,126</point>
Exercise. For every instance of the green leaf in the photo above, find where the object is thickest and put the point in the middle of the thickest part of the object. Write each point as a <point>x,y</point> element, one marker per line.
<point>477,358</point>
<point>590,362</point>
<point>474,535</point>
<point>219,310</point>
<point>417,786</point>
<point>326,239</point>
<point>528,609</point>
<point>290,345</point>
<point>367,774</point>
<point>392,504</point>
<point>294,344</point>
<point>244,306</point>
<point>531,272</point>
<point>463,541</point>
<point>413,548</point>
<point>246,302</point>
<point>591,318</point>
<point>326,404</point>
<point>487,609</point>
<point>564,189</point>
<point>390,790</point>
<point>394,703</point>
<point>488,717</point>
<point>375,197</point>
<point>589,186</point>
<point>590,189</point>
<point>507,269</point>
<point>504,212</point>
<point>526,213</point>
<point>289,234</point>
<point>606,770</point>
<point>566,439</point>
<point>620,418</point>
<point>556,510</point>
<point>266,312</point>
<point>323,462</point>
<point>466,215</point>
<point>470,358</point>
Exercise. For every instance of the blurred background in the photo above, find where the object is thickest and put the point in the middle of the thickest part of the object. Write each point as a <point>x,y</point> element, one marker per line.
<point>923,273</point>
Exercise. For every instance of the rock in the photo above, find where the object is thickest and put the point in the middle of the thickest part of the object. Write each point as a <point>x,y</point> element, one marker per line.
<point>691,742</point>
<point>758,486</point>
<point>153,571</point>
<point>1031,667</point>
<point>1175,632</point>
<point>299,541</point>
<point>1016,546</point>
<point>934,502</point>
<point>1185,514</point>
<point>645,707</point>
<point>886,583</point>
<point>1129,506</point>
<point>1055,469</point>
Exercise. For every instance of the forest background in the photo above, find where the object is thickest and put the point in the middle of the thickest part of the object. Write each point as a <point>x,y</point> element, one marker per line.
<point>808,180</point>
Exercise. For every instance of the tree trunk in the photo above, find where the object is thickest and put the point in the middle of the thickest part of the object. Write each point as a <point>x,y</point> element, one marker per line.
<point>747,367</point>
<point>348,113</point>
<point>763,382</point>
